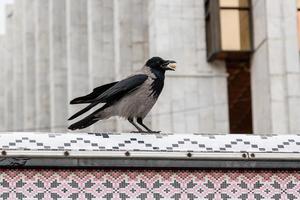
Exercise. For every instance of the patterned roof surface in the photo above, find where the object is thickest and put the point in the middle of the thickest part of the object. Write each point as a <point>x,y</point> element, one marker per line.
<point>149,142</point>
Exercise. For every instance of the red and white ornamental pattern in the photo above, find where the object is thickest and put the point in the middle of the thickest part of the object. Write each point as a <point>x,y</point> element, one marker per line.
<point>148,184</point>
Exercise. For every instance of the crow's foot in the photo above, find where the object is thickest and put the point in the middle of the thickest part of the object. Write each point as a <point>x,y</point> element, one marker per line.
<point>154,132</point>
<point>139,132</point>
<point>150,132</point>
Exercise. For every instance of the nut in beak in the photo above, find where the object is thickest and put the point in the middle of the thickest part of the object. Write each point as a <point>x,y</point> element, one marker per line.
<point>172,66</point>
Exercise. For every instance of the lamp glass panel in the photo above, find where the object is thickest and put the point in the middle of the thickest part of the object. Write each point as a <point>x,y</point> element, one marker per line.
<point>235,30</point>
<point>234,3</point>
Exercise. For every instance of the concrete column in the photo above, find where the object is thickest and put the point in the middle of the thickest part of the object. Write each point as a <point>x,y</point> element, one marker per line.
<point>195,96</point>
<point>275,67</point>
<point>2,83</point>
<point>117,50</point>
<point>18,67</point>
<point>101,50</point>
<point>43,99</point>
<point>131,38</point>
<point>77,50</point>
<point>9,68</point>
<point>292,64</point>
<point>133,28</point>
<point>58,65</point>
<point>29,65</point>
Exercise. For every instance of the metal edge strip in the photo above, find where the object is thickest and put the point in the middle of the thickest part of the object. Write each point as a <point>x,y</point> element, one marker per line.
<point>124,154</point>
<point>149,154</point>
<point>275,156</point>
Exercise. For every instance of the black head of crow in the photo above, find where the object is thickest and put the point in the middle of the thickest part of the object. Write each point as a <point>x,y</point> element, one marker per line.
<point>131,98</point>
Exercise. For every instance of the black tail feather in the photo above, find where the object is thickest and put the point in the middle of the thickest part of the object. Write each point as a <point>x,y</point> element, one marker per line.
<point>79,100</point>
<point>83,111</point>
<point>85,122</point>
<point>90,119</point>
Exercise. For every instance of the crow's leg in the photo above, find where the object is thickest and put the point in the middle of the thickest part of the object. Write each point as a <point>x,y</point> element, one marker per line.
<point>140,121</point>
<point>135,125</point>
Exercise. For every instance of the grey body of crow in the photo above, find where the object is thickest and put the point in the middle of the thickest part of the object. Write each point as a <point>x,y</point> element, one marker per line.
<point>136,103</point>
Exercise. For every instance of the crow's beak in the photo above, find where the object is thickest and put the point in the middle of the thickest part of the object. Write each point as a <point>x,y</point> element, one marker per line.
<point>171,65</point>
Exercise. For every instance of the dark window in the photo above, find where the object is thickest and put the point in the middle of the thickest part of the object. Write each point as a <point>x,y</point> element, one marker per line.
<point>239,97</point>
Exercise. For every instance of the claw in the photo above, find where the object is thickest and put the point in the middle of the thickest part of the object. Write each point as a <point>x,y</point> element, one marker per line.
<point>154,132</point>
<point>138,132</point>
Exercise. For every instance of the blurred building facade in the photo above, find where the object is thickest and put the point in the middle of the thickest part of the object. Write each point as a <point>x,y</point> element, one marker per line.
<point>55,50</point>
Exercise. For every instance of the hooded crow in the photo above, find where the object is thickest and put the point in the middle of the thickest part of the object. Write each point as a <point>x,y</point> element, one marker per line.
<point>131,98</point>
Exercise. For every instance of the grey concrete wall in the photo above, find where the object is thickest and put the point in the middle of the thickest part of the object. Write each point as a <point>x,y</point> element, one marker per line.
<point>18,66</point>
<point>133,31</point>
<point>195,96</point>
<point>275,67</point>
<point>9,105</point>
<point>58,65</point>
<point>132,27</point>
<point>81,44</point>
<point>101,50</point>
<point>77,50</point>
<point>30,114</point>
<point>56,50</point>
<point>43,96</point>
<point>2,83</point>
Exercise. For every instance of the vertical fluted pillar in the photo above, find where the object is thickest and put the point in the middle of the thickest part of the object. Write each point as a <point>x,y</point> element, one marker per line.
<point>2,83</point>
<point>131,42</point>
<point>43,111</point>
<point>58,65</point>
<point>101,50</point>
<point>18,66</point>
<point>77,50</point>
<point>9,68</point>
<point>29,65</point>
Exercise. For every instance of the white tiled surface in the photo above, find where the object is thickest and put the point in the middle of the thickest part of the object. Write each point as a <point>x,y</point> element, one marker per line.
<point>149,142</point>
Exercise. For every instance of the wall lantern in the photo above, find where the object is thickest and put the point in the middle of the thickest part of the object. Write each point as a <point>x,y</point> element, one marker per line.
<point>228,29</point>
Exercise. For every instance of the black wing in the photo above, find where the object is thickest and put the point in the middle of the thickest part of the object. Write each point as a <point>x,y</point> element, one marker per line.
<point>92,96</point>
<point>115,92</point>
<point>122,88</point>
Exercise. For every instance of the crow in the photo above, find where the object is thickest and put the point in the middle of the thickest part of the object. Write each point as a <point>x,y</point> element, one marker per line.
<point>131,98</point>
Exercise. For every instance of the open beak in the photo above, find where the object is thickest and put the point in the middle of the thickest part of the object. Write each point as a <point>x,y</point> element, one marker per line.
<point>171,65</point>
